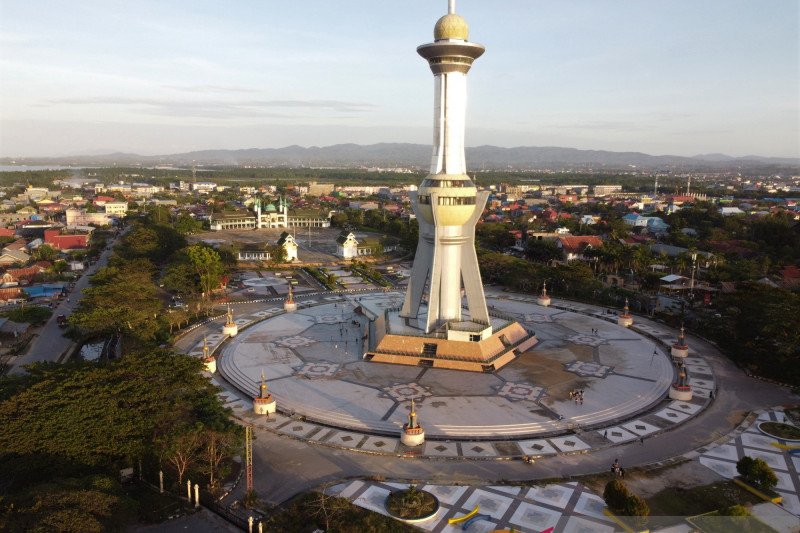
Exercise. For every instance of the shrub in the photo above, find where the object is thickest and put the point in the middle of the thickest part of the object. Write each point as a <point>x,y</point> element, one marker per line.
<point>638,508</point>
<point>616,494</point>
<point>757,472</point>
<point>734,510</point>
<point>745,465</point>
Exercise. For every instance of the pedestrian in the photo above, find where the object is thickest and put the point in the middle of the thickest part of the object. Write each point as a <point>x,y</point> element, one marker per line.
<point>605,434</point>
<point>711,394</point>
<point>641,440</point>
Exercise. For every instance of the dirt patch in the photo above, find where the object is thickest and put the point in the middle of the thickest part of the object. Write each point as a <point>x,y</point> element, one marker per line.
<point>686,475</point>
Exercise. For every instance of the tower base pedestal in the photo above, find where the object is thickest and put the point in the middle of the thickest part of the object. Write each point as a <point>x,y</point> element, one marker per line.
<point>264,406</point>
<point>544,301</point>
<point>211,365</point>
<point>230,330</point>
<point>625,321</point>
<point>679,350</point>
<point>290,307</point>
<point>484,355</point>
<point>412,437</point>
<point>683,393</point>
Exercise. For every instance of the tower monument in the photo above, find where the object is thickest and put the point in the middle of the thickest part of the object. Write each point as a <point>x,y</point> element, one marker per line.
<point>447,203</point>
<point>433,327</point>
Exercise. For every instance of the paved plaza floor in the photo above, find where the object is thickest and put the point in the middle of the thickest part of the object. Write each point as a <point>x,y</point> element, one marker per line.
<point>326,394</point>
<point>296,348</point>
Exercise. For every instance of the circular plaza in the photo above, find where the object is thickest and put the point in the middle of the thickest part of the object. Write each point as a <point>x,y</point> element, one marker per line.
<point>585,373</point>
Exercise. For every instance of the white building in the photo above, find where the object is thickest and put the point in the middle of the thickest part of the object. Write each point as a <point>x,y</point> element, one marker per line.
<point>116,208</point>
<point>347,245</point>
<point>289,245</point>
<point>80,217</point>
<point>603,190</point>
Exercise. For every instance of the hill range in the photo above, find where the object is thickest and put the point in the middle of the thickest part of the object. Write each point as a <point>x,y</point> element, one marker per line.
<point>418,156</point>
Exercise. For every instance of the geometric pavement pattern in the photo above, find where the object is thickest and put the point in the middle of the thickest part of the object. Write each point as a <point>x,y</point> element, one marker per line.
<point>562,506</point>
<point>722,459</point>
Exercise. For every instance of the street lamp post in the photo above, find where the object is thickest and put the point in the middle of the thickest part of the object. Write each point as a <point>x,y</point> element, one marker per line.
<point>691,283</point>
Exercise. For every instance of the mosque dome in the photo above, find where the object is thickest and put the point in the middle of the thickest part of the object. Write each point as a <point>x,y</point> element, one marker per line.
<point>451,26</point>
<point>270,207</point>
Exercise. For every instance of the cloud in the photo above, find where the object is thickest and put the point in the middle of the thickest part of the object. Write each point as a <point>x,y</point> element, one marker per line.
<point>211,88</point>
<point>223,108</point>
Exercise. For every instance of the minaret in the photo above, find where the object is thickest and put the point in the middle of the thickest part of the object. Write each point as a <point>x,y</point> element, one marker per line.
<point>447,203</point>
<point>208,359</point>
<point>413,434</point>
<point>257,206</point>
<point>680,348</point>
<point>544,298</point>
<point>680,388</point>
<point>626,318</point>
<point>264,403</point>
<point>290,306</point>
<point>230,328</point>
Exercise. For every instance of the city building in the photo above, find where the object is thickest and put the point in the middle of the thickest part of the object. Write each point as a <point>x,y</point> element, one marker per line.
<point>116,208</point>
<point>81,217</point>
<point>605,190</point>
<point>319,189</point>
<point>270,216</point>
<point>289,245</point>
<point>575,247</point>
<point>54,238</point>
<point>346,245</point>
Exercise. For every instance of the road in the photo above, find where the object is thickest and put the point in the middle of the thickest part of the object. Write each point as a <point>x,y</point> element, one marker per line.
<point>50,344</point>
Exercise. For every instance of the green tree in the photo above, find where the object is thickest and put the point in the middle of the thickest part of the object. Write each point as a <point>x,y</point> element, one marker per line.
<point>208,267</point>
<point>181,446</point>
<point>103,414</point>
<point>187,225</point>
<point>217,444</point>
<point>122,300</point>
<point>542,250</point>
<point>616,494</point>
<point>45,252</point>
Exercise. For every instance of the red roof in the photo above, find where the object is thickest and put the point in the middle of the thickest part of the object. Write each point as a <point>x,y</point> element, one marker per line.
<point>65,242</point>
<point>577,244</point>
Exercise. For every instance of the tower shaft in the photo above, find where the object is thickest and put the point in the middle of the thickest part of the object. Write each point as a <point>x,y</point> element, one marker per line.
<point>447,203</point>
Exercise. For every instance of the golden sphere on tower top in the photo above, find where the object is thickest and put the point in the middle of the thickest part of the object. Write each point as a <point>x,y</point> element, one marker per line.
<point>451,26</point>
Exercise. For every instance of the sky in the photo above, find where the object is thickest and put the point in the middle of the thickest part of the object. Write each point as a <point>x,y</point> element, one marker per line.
<point>159,77</point>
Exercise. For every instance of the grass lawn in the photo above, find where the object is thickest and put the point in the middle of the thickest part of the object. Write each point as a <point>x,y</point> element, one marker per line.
<point>672,504</point>
<point>783,431</point>
<point>304,515</point>
<point>714,523</point>
<point>154,507</point>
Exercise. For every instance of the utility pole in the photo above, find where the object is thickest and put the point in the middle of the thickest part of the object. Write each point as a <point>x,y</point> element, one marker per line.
<point>248,444</point>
